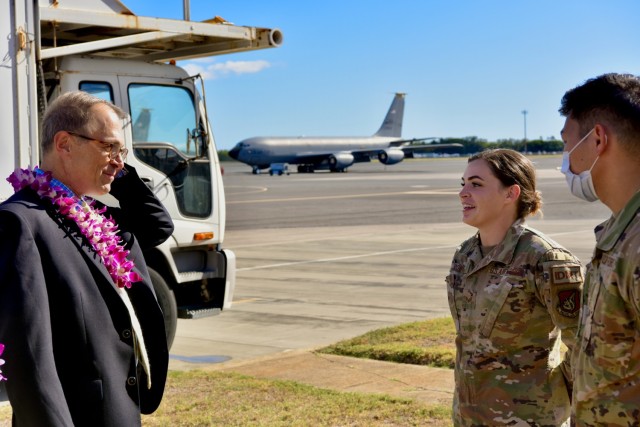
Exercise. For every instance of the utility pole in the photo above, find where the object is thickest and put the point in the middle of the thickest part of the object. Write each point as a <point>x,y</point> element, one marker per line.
<point>524,113</point>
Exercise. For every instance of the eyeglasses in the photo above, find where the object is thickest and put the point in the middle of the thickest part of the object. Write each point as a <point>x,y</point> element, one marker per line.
<point>114,150</point>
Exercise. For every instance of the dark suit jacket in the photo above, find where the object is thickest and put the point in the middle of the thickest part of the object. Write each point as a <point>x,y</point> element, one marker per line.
<point>68,336</point>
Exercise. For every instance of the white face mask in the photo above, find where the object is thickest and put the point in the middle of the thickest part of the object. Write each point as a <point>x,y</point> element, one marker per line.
<point>580,185</point>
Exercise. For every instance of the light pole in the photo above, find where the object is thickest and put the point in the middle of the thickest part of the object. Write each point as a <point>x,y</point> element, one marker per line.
<point>524,113</point>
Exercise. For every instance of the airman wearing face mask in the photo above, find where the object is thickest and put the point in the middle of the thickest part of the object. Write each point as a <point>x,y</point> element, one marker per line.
<point>580,185</point>
<point>605,164</point>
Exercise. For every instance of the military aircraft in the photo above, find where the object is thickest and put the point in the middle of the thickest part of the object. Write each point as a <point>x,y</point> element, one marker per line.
<point>335,153</point>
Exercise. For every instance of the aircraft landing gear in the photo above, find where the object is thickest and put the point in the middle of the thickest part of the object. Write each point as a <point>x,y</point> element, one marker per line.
<point>306,169</point>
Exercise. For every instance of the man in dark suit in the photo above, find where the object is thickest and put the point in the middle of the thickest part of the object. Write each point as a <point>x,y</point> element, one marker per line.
<point>84,335</point>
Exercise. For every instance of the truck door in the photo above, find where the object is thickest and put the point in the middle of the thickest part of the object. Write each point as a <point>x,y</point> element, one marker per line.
<point>167,136</point>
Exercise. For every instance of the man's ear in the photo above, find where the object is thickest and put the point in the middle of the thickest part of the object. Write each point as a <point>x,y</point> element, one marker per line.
<point>602,141</point>
<point>62,142</point>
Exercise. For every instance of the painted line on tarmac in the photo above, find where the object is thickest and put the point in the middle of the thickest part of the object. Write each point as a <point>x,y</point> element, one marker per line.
<point>247,190</point>
<point>346,196</point>
<point>246,300</point>
<point>373,254</point>
<point>306,240</point>
<point>434,192</point>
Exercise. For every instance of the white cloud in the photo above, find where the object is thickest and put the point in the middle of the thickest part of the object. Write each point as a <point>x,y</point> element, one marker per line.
<point>209,69</point>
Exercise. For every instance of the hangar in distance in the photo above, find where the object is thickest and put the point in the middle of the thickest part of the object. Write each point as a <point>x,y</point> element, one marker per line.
<point>335,153</point>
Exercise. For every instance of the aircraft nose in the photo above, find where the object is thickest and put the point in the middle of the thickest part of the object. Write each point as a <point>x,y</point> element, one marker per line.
<point>235,151</point>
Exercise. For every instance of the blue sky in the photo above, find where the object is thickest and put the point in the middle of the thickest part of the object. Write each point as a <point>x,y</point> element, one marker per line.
<point>469,68</point>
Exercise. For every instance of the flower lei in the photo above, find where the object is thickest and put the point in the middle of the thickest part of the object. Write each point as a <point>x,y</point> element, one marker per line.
<point>101,232</point>
<point>2,377</point>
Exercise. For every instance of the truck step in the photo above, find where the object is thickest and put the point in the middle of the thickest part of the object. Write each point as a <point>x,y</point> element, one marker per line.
<point>197,313</point>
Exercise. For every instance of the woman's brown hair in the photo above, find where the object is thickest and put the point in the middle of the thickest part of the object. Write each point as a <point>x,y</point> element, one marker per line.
<point>513,168</point>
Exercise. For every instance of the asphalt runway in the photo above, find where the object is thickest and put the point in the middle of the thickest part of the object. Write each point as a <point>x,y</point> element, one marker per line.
<point>328,256</point>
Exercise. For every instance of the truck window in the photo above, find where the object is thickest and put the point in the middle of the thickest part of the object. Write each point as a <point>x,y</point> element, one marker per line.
<point>163,114</point>
<point>101,90</point>
<point>168,137</point>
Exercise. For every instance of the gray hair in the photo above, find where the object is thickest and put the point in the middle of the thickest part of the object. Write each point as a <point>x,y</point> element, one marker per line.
<point>72,111</point>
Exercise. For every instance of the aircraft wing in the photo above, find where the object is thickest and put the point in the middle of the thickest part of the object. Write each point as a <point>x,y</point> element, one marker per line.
<point>408,146</point>
<point>418,148</point>
<point>400,142</point>
<point>392,153</point>
<point>358,156</point>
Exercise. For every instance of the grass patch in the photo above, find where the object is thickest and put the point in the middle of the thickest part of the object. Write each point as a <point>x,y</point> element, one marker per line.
<point>429,342</point>
<point>201,398</point>
<point>210,398</point>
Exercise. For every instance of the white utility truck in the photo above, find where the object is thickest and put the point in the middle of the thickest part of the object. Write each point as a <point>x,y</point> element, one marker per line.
<point>53,46</point>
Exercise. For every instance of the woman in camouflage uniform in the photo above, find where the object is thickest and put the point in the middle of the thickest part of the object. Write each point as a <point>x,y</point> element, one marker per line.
<point>513,294</point>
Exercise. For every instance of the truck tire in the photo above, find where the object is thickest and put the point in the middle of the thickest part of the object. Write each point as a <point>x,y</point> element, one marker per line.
<point>167,301</point>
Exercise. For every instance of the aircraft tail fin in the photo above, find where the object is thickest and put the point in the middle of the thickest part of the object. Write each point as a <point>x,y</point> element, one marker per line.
<point>392,124</point>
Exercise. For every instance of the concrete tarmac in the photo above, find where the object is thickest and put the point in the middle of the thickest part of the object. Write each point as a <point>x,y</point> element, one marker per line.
<point>324,257</point>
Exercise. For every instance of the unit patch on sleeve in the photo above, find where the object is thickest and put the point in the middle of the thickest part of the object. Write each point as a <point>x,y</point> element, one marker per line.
<point>566,274</point>
<point>568,302</point>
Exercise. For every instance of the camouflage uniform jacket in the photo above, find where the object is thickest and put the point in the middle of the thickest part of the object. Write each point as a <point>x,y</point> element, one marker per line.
<point>508,308</point>
<point>607,355</point>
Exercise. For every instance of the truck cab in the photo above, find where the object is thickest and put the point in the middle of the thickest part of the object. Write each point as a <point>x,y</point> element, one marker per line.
<point>101,47</point>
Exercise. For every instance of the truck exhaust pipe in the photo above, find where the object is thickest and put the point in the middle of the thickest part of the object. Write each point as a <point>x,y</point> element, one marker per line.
<point>186,8</point>
<point>275,37</point>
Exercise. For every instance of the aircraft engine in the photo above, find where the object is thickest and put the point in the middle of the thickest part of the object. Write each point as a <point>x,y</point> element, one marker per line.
<point>340,161</point>
<point>390,156</point>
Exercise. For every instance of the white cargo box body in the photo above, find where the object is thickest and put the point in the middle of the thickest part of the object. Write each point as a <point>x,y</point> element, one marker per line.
<point>108,28</point>
<point>56,46</point>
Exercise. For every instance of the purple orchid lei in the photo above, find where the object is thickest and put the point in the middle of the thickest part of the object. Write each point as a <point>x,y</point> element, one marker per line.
<point>2,377</point>
<point>101,232</point>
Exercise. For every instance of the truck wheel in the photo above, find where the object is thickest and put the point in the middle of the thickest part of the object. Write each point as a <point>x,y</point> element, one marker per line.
<point>167,301</point>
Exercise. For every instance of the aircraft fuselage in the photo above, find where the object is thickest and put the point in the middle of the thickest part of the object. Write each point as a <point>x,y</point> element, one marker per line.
<point>262,151</point>
<point>333,153</point>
